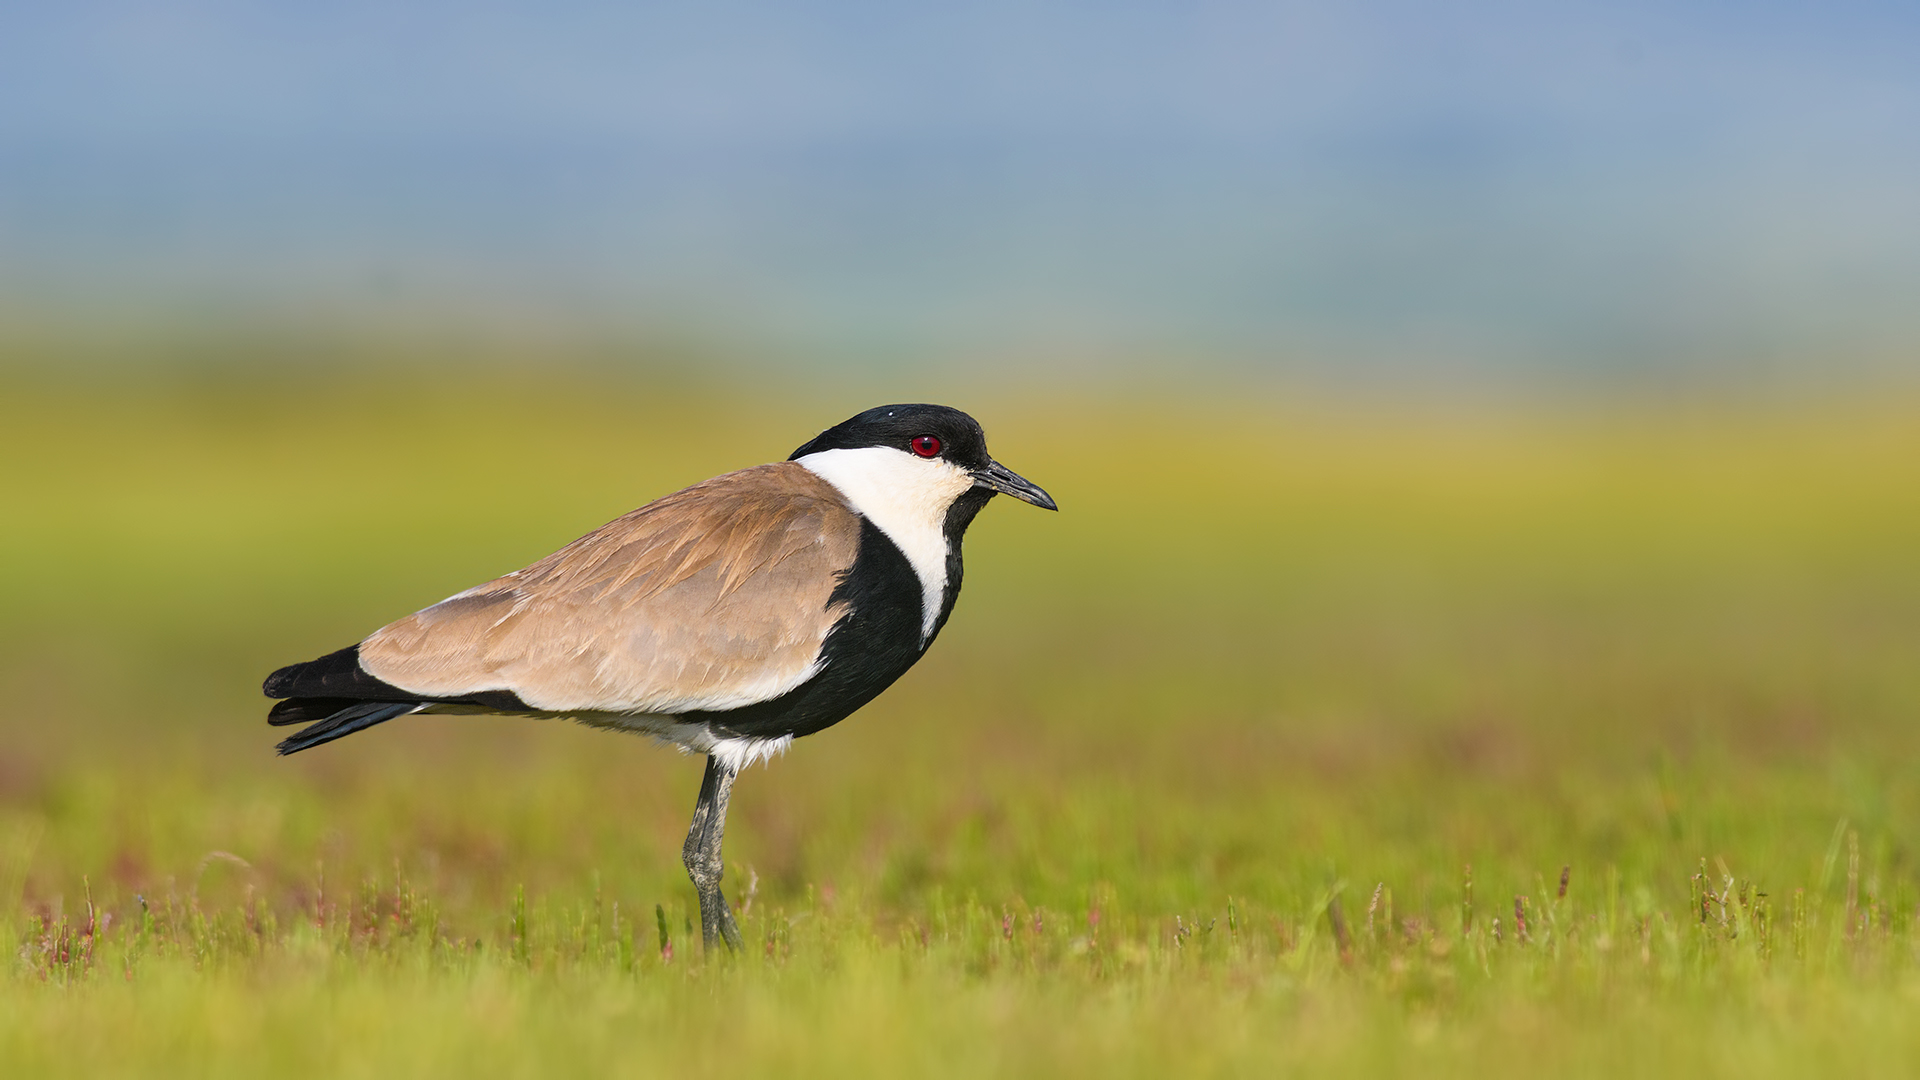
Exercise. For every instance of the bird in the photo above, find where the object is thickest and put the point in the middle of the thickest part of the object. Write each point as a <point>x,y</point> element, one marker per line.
<point>726,619</point>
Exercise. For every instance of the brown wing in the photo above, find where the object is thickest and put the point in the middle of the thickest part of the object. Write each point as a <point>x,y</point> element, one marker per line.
<point>710,598</point>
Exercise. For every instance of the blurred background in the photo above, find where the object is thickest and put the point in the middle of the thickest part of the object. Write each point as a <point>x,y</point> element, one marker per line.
<point>1485,431</point>
<point>1383,189</point>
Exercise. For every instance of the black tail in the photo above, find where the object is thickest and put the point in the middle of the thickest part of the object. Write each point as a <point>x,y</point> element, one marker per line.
<point>357,716</point>
<point>337,697</point>
<point>335,675</point>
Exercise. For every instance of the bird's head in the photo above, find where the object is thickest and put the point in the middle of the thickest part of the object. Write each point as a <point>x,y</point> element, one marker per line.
<point>928,454</point>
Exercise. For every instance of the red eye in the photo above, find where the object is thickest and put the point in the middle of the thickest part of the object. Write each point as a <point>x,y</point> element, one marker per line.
<point>925,445</point>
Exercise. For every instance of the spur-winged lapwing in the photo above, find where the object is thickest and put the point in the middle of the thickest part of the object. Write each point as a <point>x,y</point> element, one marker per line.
<point>729,618</point>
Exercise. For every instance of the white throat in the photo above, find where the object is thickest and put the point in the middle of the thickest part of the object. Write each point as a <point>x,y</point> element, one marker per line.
<point>907,498</point>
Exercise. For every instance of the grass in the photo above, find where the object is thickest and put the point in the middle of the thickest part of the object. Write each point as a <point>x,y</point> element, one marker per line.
<point>1307,738</point>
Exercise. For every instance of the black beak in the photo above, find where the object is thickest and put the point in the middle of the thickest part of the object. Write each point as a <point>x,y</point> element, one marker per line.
<point>1007,482</point>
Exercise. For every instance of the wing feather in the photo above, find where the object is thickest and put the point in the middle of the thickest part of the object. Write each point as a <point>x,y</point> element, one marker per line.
<point>710,598</point>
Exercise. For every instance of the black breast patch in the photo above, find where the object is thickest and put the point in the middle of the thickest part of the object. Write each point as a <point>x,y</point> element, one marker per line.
<point>870,647</point>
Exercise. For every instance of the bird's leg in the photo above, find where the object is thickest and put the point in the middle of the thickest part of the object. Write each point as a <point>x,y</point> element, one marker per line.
<point>702,855</point>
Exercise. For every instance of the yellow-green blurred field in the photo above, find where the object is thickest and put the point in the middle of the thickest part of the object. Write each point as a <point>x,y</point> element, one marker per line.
<point>1311,736</point>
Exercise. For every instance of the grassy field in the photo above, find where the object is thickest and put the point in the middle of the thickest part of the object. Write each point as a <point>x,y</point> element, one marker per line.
<point>1314,738</point>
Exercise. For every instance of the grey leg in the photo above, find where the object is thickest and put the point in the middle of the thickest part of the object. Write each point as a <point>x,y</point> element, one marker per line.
<point>702,855</point>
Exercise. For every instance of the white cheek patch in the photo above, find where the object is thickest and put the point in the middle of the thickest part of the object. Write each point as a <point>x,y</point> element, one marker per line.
<point>905,497</point>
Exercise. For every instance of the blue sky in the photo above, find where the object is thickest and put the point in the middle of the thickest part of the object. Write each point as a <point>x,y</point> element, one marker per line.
<point>1629,186</point>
